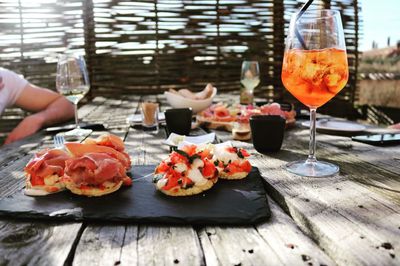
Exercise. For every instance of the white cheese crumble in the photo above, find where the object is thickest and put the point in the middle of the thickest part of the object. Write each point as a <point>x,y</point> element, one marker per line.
<point>223,155</point>
<point>195,175</point>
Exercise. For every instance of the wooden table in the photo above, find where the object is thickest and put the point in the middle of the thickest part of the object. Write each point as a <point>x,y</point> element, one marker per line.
<point>349,219</point>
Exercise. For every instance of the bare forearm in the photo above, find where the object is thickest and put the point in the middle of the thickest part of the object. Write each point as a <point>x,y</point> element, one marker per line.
<point>58,111</point>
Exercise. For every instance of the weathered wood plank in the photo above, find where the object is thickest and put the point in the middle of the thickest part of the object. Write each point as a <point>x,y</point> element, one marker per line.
<point>290,244</point>
<point>240,246</point>
<point>276,242</point>
<point>100,245</point>
<point>23,243</point>
<point>13,151</point>
<point>169,245</point>
<point>352,223</point>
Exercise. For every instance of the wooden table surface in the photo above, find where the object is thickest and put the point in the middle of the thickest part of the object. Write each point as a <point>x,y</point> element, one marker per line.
<point>349,219</point>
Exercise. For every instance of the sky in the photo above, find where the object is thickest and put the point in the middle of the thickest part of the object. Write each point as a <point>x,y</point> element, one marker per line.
<point>381,19</point>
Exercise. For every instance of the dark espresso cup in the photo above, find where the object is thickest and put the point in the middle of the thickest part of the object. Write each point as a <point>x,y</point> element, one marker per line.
<point>267,132</point>
<point>179,120</point>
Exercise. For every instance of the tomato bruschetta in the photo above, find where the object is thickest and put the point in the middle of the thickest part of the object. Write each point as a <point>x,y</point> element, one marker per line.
<point>186,172</point>
<point>231,162</point>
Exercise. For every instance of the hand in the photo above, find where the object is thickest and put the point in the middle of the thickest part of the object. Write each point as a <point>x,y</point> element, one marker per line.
<point>30,125</point>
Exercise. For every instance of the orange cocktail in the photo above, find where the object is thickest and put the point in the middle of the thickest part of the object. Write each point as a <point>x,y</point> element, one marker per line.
<point>315,76</point>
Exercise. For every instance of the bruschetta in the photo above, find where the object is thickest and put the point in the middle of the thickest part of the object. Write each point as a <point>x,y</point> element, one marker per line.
<point>231,162</point>
<point>186,172</point>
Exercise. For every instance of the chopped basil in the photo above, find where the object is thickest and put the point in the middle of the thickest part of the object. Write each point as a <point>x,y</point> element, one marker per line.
<point>190,158</point>
<point>193,157</point>
<point>183,153</point>
<point>188,186</point>
<point>157,177</point>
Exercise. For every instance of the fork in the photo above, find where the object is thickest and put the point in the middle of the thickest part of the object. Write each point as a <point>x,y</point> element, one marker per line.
<point>59,141</point>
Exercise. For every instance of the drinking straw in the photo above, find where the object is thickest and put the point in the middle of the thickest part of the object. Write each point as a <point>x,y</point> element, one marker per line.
<point>301,12</point>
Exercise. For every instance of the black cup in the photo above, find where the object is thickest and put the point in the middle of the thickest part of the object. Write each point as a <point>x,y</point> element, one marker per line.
<point>267,132</point>
<point>179,120</point>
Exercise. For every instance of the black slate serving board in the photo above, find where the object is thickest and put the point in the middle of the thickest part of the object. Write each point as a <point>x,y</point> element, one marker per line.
<point>237,202</point>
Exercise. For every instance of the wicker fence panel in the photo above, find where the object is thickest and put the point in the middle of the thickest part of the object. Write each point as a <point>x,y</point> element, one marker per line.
<point>33,32</point>
<point>148,46</point>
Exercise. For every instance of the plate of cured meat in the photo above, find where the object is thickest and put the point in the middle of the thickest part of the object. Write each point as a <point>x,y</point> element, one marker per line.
<point>222,116</point>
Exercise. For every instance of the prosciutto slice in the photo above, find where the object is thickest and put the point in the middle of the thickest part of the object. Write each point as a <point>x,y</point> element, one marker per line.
<point>46,163</point>
<point>108,140</point>
<point>95,169</point>
<point>79,149</point>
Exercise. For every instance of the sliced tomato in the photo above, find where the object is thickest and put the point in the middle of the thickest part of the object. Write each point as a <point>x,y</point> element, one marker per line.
<point>244,153</point>
<point>246,166</point>
<point>190,149</point>
<point>172,182</point>
<point>205,154</point>
<point>231,149</point>
<point>232,168</point>
<point>37,180</point>
<point>162,168</point>
<point>237,167</point>
<point>208,169</point>
<point>127,181</point>
<point>177,158</point>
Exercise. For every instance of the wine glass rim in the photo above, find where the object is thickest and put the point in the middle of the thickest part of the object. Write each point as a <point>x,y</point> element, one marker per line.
<point>317,14</point>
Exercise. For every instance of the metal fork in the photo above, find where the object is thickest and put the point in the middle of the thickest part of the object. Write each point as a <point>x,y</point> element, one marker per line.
<point>59,141</point>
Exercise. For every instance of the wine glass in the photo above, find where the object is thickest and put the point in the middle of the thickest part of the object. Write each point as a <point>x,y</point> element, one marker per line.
<point>250,78</point>
<point>314,70</point>
<point>72,81</point>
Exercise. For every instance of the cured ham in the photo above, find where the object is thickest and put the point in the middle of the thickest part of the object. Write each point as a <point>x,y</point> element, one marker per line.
<point>80,149</point>
<point>45,170</point>
<point>107,140</point>
<point>94,174</point>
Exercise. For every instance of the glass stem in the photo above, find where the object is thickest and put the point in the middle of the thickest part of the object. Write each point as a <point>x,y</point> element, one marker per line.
<point>311,153</point>
<point>76,115</point>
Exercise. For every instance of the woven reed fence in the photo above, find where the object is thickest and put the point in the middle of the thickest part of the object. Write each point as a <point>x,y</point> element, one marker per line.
<point>151,45</point>
<point>148,46</point>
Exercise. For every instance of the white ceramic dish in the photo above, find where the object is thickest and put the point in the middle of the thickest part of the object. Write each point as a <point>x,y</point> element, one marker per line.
<point>178,101</point>
<point>175,140</point>
<point>336,126</point>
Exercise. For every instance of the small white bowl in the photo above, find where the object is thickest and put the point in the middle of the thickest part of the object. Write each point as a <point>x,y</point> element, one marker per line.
<point>178,101</point>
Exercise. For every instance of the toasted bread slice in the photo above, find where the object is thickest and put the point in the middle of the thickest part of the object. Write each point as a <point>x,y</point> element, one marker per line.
<point>178,191</point>
<point>93,191</point>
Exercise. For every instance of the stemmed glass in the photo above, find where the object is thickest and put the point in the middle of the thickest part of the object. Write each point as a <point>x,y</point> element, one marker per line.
<point>314,70</point>
<point>250,78</point>
<point>72,81</point>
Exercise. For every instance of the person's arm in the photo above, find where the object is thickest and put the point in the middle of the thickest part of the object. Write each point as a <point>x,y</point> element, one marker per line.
<point>395,126</point>
<point>49,107</point>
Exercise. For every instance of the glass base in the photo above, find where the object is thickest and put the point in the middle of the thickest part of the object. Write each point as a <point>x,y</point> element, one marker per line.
<point>312,169</point>
<point>78,132</point>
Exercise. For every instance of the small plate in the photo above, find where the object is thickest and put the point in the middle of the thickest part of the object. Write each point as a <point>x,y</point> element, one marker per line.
<point>337,126</point>
<point>175,139</point>
<point>136,119</point>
